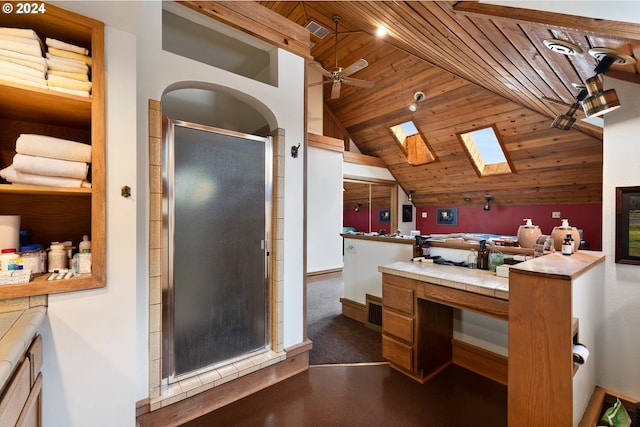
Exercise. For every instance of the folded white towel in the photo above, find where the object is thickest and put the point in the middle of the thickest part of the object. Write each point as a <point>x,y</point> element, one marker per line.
<point>21,45</point>
<point>42,84</point>
<point>66,46</point>
<point>53,148</point>
<point>16,177</point>
<point>70,55</point>
<point>75,76</point>
<point>64,64</point>
<point>19,32</point>
<point>35,62</point>
<point>81,93</point>
<point>18,70</point>
<point>67,83</point>
<point>50,167</point>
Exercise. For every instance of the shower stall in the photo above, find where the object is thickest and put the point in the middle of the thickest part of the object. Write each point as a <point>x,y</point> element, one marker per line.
<point>216,205</point>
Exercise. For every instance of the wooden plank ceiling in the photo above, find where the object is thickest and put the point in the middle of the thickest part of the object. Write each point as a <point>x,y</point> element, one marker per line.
<point>478,65</point>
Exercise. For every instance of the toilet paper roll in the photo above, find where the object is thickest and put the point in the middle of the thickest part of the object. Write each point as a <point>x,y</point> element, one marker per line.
<point>580,354</point>
<point>9,231</point>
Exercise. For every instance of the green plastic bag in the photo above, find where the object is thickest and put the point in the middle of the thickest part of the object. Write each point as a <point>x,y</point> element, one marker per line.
<point>616,416</point>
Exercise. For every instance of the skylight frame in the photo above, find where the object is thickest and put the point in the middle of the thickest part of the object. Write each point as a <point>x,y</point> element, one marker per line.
<point>400,137</point>
<point>475,157</point>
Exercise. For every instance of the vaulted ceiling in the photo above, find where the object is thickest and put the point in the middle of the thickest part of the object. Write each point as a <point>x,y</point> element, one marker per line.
<point>479,65</point>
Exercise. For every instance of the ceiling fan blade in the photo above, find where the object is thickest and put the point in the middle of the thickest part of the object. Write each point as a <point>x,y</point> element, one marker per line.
<point>335,90</point>
<point>316,66</point>
<point>358,82</point>
<point>319,83</point>
<point>356,66</point>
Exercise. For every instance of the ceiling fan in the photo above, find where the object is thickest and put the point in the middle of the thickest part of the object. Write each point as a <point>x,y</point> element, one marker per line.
<point>337,75</point>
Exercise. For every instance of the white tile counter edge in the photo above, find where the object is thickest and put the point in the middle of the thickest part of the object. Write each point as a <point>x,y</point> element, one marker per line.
<point>17,339</point>
<point>472,280</point>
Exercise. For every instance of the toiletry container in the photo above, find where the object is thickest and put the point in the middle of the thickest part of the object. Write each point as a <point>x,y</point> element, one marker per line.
<point>10,260</point>
<point>33,258</point>
<point>560,232</point>
<point>527,234</point>
<point>9,231</point>
<point>57,257</point>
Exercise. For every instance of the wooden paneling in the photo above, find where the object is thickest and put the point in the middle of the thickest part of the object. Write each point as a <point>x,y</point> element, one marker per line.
<point>478,65</point>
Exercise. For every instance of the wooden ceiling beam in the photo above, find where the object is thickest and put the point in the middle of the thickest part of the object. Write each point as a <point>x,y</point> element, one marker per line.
<point>599,26</point>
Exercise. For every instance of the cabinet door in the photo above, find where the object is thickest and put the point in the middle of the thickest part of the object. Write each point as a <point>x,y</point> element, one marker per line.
<point>31,415</point>
<point>16,396</point>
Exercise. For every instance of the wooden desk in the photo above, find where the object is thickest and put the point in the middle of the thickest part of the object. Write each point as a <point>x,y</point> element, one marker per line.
<point>538,302</point>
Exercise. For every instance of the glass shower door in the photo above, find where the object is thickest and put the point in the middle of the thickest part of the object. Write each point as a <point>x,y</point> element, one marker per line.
<point>218,187</point>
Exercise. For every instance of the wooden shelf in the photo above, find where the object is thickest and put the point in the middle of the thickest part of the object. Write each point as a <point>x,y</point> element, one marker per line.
<point>43,190</point>
<point>23,102</point>
<point>41,286</point>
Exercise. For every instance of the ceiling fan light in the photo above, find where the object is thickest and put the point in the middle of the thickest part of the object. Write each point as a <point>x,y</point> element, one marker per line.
<point>599,102</point>
<point>413,106</point>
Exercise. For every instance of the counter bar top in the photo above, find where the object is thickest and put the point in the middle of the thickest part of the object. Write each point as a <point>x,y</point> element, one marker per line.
<point>407,240</point>
<point>476,281</point>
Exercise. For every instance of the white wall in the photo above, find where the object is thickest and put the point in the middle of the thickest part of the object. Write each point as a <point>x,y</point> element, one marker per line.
<point>618,346</point>
<point>90,337</point>
<point>324,209</point>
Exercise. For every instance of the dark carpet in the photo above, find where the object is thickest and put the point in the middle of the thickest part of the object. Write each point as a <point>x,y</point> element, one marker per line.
<point>337,338</point>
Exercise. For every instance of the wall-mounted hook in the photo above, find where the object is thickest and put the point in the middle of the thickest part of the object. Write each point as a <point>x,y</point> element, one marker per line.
<point>294,151</point>
<point>125,191</point>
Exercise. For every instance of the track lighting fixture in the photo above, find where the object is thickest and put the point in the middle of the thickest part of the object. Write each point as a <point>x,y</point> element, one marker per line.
<point>595,102</point>
<point>410,196</point>
<point>418,97</point>
<point>565,121</point>
<point>487,205</point>
<point>357,208</point>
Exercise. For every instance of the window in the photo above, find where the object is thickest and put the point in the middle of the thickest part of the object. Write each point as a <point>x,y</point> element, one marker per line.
<point>486,152</point>
<point>414,146</point>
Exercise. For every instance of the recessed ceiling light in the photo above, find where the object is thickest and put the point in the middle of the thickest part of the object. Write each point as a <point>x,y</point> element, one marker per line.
<point>620,58</point>
<point>562,46</point>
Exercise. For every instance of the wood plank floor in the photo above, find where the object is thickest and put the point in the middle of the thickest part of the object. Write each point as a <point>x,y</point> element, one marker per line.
<point>368,396</point>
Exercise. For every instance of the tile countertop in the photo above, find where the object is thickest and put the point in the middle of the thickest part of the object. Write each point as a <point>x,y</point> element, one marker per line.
<point>471,280</point>
<point>17,330</point>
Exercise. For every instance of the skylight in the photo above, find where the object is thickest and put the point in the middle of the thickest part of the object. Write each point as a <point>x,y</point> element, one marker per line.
<point>414,146</point>
<point>486,152</point>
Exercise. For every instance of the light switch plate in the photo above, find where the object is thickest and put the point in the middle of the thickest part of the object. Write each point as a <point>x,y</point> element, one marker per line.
<point>555,214</point>
<point>424,214</point>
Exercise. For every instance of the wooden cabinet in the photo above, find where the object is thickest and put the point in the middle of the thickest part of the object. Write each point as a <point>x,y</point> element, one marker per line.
<point>21,400</point>
<point>53,213</point>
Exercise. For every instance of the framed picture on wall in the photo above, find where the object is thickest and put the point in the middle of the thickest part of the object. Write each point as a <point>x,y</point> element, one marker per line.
<point>384,215</point>
<point>447,216</point>
<point>628,225</point>
<point>407,213</point>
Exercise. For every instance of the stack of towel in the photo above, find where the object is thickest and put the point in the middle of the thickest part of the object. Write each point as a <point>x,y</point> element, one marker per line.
<point>21,59</point>
<point>68,68</point>
<point>49,161</point>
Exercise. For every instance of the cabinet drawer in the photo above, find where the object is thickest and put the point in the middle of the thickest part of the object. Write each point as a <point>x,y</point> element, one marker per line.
<point>35,356</point>
<point>397,353</point>
<point>397,298</point>
<point>397,325</point>
<point>16,395</point>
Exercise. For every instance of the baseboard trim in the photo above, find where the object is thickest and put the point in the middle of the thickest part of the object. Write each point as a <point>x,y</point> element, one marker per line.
<point>354,310</point>
<point>479,360</point>
<point>334,272</point>
<point>191,408</point>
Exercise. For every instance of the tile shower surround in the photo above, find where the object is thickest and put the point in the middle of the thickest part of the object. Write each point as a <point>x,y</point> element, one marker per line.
<point>162,394</point>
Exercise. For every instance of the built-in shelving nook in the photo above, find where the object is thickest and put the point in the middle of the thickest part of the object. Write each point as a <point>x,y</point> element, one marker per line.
<point>50,213</point>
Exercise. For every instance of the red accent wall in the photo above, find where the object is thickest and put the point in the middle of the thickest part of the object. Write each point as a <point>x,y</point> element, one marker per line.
<point>360,220</point>
<point>506,219</point>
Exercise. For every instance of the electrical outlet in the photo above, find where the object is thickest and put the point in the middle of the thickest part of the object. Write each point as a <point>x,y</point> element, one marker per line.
<point>424,214</point>
<point>555,214</point>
